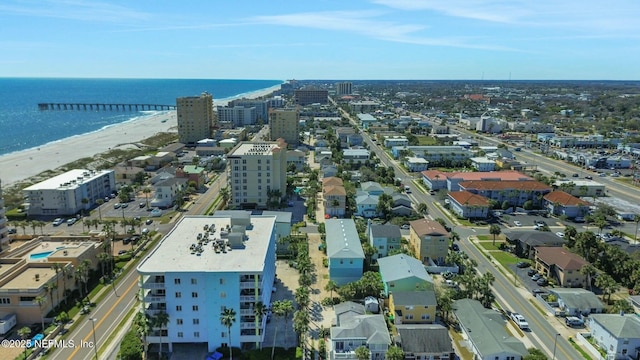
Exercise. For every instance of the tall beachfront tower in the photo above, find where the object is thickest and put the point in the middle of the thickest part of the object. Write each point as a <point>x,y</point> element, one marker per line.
<point>195,118</point>
<point>285,124</point>
<point>4,230</point>
<point>256,170</point>
<point>204,265</point>
<point>344,88</point>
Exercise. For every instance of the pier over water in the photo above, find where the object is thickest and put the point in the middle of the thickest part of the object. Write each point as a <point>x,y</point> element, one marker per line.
<point>104,107</point>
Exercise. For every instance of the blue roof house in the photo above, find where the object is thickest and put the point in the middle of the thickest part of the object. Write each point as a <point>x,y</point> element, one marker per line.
<point>366,205</point>
<point>346,257</point>
<point>402,272</point>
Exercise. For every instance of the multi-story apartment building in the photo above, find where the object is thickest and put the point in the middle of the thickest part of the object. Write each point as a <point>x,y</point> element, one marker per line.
<point>204,265</point>
<point>27,274</point>
<point>261,106</point>
<point>69,193</point>
<point>514,192</point>
<point>236,116</point>
<point>195,118</point>
<point>256,171</point>
<point>4,230</point>
<point>310,96</point>
<point>285,124</point>
<point>344,88</point>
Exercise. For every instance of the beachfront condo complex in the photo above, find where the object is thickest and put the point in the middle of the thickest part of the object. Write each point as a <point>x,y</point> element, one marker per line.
<point>195,118</point>
<point>285,124</point>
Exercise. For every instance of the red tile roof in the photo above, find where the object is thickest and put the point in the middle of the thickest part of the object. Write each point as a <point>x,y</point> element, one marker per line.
<point>467,198</point>
<point>431,174</point>
<point>505,175</point>
<point>505,185</point>
<point>561,257</point>
<point>564,199</point>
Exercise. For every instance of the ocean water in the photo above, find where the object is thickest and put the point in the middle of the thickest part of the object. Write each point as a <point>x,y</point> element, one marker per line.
<point>23,126</point>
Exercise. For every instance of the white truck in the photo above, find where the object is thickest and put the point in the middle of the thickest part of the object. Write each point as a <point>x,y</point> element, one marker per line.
<point>520,321</point>
<point>7,323</point>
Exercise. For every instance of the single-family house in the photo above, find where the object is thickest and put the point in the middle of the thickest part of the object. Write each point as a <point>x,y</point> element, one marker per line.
<point>428,240</point>
<point>166,191</point>
<point>402,272</point>
<point>561,203</point>
<point>328,171</point>
<point>482,163</point>
<point>297,158</point>
<point>577,301</point>
<point>485,331</point>
<point>353,331</point>
<point>346,257</point>
<point>366,205</point>
<point>468,205</point>
<point>334,196</point>
<point>127,174</point>
<point>413,307</point>
<point>425,341</point>
<point>561,265</point>
<point>355,156</point>
<point>372,188</point>
<point>194,174</point>
<point>384,238</point>
<point>617,334</point>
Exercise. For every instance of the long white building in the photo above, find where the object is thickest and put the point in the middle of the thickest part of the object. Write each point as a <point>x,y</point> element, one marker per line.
<point>64,194</point>
<point>205,265</point>
<point>254,170</point>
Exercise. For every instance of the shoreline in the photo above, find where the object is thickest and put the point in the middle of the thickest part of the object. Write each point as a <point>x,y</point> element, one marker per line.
<point>24,164</point>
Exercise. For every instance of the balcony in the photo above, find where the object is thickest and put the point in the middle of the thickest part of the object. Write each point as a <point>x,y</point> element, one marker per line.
<point>153,285</point>
<point>250,298</point>
<point>150,297</point>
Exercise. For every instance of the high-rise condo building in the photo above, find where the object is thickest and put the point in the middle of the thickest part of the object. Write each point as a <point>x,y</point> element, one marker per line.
<point>344,88</point>
<point>204,266</point>
<point>195,118</point>
<point>257,173</point>
<point>310,96</point>
<point>285,124</point>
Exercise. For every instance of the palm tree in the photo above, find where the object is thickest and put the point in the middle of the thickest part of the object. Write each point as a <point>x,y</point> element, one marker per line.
<point>41,300</point>
<point>259,311</point>
<point>146,190</point>
<point>50,288</point>
<point>33,226</point>
<point>494,230</point>
<point>588,271</point>
<point>84,202</point>
<point>24,334</point>
<point>99,202</point>
<point>227,319</point>
<point>143,325</point>
<point>363,353</point>
<point>67,272</point>
<point>57,267</point>
<point>423,209</point>
<point>331,287</point>
<point>160,320</point>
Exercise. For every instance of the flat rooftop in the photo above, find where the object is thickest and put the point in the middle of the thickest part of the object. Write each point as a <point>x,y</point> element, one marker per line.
<point>174,253</point>
<point>258,148</point>
<point>69,180</point>
<point>27,279</point>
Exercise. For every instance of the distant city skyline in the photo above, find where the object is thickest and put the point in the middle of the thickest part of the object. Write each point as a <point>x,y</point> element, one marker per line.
<point>358,40</point>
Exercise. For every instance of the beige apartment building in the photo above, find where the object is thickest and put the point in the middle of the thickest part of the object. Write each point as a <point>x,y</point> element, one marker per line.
<point>285,124</point>
<point>27,271</point>
<point>195,118</point>
<point>429,240</point>
<point>255,169</point>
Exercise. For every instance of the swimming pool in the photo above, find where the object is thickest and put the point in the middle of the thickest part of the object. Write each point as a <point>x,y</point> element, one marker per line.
<point>42,255</point>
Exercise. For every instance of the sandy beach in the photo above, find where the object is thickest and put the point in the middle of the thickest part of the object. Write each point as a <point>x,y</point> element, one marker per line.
<point>24,164</point>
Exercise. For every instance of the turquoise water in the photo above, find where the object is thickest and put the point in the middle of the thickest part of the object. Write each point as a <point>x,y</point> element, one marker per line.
<point>298,189</point>
<point>42,255</point>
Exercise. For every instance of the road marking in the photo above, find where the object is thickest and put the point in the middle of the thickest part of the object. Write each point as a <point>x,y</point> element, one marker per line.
<point>86,338</point>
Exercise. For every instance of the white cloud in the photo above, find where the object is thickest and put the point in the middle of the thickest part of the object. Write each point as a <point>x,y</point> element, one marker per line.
<point>73,10</point>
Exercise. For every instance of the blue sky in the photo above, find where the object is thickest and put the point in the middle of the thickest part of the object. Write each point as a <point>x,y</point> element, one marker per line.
<point>321,39</point>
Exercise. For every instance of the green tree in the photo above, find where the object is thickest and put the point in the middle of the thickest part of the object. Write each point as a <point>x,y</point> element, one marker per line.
<point>227,319</point>
<point>608,286</point>
<point>283,309</point>
<point>24,334</point>
<point>621,306</point>
<point>259,311</point>
<point>331,287</point>
<point>423,208</point>
<point>41,301</point>
<point>494,230</point>
<point>588,271</point>
<point>143,324</point>
<point>159,321</point>
<point>130,347</point>
<point>363,353</point>
<point>394,353</point>
<point>535,354</point>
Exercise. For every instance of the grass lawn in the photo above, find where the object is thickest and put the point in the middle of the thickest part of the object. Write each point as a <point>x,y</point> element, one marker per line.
<point>488,245</point>
<point>505,258</point>
<point>465,353</point>
<point>426,140</point>
<point>485,237</point>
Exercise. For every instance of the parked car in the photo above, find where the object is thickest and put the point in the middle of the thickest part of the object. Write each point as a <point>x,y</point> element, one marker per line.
<point>141,205</point>
<point>523,264</point>
<point>149,221</point>
<point>405,227</point>
<point>531,272</point>
<point>58,221</point>
<point>520,321</point>
<point>575,175</point>
<point>573,321</point>
<point>116,206</point>
<point>71,221</point>
<point>124,205</point>
<point>535,277</point>
<point>560,234</point>
<point>589,177</point>
<point>145,231</point>
<point>542,282</point>
<point>122,252</point>
<point>517,223</point>
<point>578,219</point>
<point>538,291</point>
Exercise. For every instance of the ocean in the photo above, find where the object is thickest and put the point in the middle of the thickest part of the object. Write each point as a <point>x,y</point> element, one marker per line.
<point>24,126</point>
